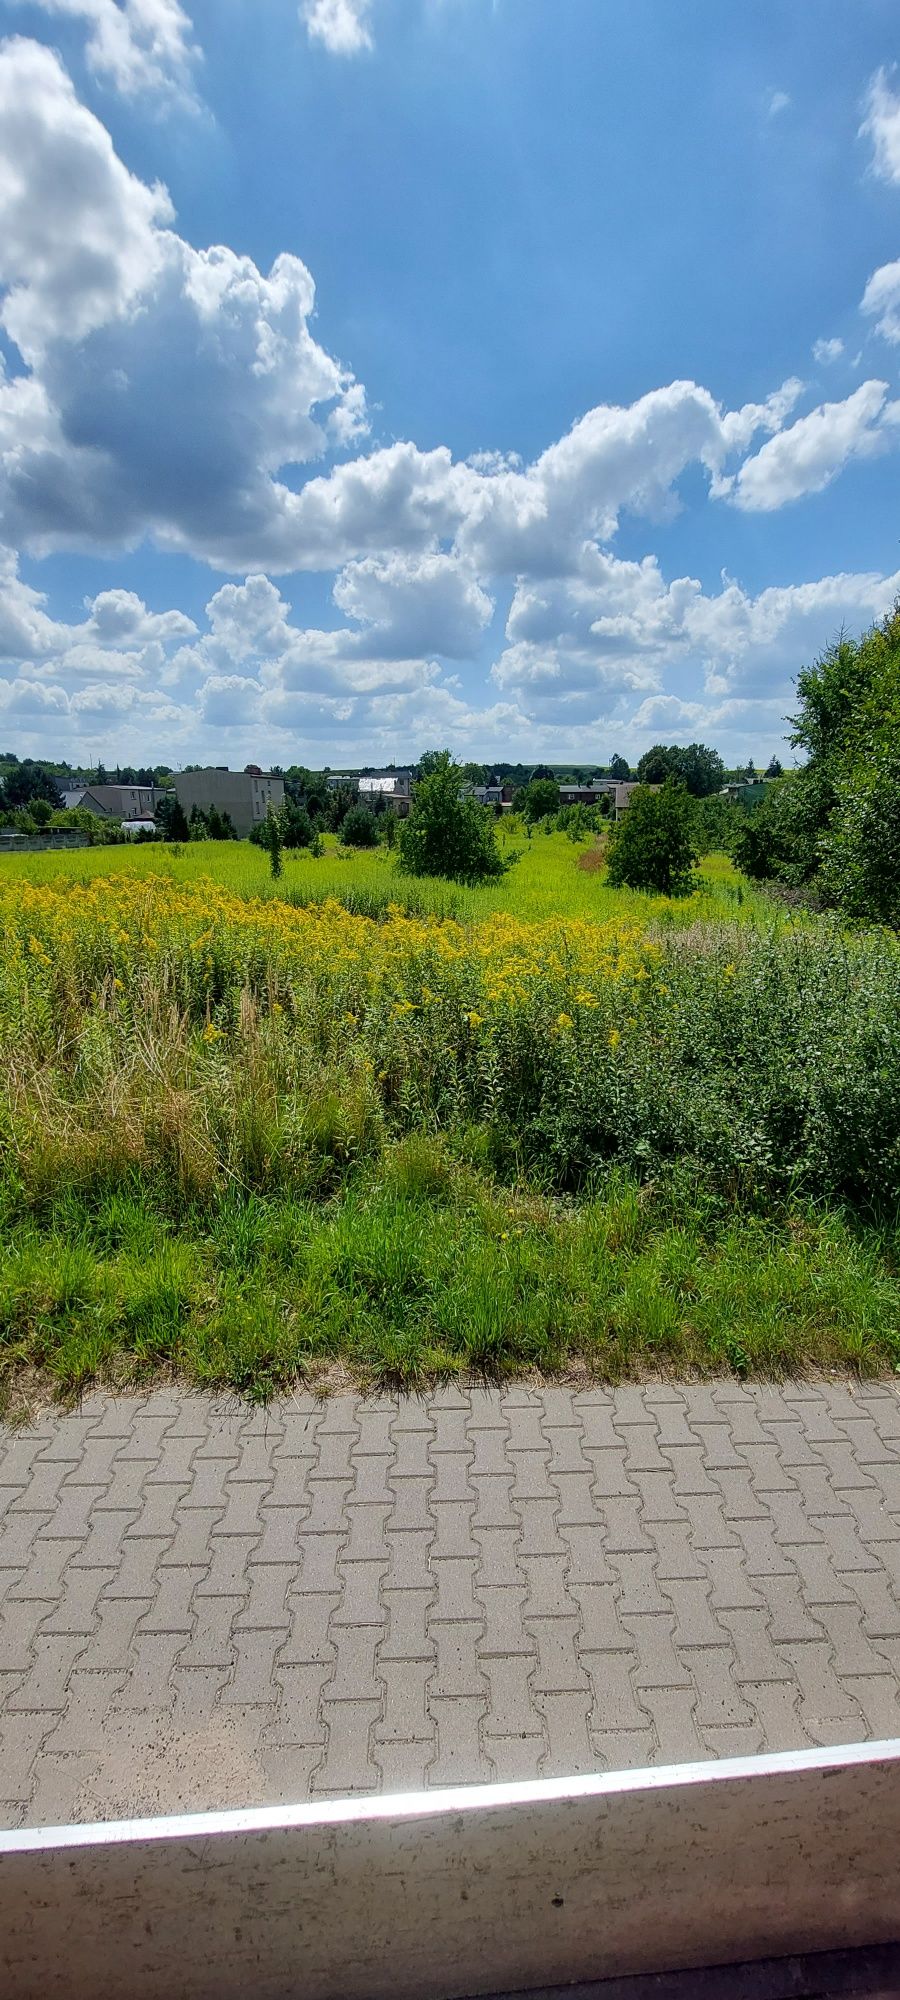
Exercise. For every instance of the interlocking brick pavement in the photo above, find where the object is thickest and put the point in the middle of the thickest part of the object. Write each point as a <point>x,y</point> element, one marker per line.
<point>205,1605</point>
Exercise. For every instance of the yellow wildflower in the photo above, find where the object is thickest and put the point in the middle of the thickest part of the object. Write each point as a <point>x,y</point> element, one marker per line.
<point>564,1021</point>
<point>211,1033</point>
<point>614,1038</point>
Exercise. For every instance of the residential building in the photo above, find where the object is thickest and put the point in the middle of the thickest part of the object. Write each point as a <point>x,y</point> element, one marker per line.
<point>116,801</point>
<point>244,795</point>
<point>494,795</point>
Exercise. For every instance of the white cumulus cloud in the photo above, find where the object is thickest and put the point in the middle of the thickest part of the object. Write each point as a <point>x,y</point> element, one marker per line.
<point>810,453</point>
<point>881,300</point>
<point>341,25</point>
<point>882,125</point>
<point>826,351</point>
<point>135,45</point>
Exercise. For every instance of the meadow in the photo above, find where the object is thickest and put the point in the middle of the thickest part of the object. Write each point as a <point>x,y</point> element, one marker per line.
<point>258,1131</point>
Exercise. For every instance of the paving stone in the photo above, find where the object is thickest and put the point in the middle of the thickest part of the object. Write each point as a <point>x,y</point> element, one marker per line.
<point>585,1553</point>
<point>540,1534</point>
<point>320,1598</point>
<point>570,1749</point>
<point>409,1551</point>
<point>191,1545</point>
<point>147,1682</point>
<point>298,1716</point>
<point>505,1630</point>
<point>405,1718</point>
<point>842,1541</point>
<point>616,1705</point>
<point>823,1698</point>
<point>601,1627</point>
<point>348,1765</point>
<point>611,1481</point>
<point>638,1587</point>
<point>695,1623</point>
<point>455,1578</point>
<point>118,1621</point>
<point>789,1619</point>
<point>44,1687</point>
<point>558,1670</point>
<point>453,1528</point>
<point>308,1640</point>
<point>411,1510</point>
<point>459,1759</point>
<point>545,1579</point>
<point>876,1696</point>
<point>720,1700</point>
<point>254,1660</point>
<point>458,1669</point>
<point>370,1486</point>
<point>625,1749</point>
<point>673,1713</point>
<point>90,1697</point>
<point>755,1657</point>
<point>361,1594</point>
<point>355,1677</point>
<point>853,1653</point>
<point>138,1574</point>
<point>514,1759</point>
<point>212,1643</point>
<point>76,1610</point>
<point>60,1782</point>
<point>21,1739</point>
<point>509,1711</point>
<point>227,1575</point>
<point>403,1767</point>
<point>44,1576</point>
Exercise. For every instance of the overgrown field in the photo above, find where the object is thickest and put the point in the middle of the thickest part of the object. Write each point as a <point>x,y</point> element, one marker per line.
<point>254,1138</point>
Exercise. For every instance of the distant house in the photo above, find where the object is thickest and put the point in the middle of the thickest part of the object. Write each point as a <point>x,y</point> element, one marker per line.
<point>245,796</point>
<point>495,795</point>
<point>395,787</point>
<point>115,801</point>
<point>616,790</point>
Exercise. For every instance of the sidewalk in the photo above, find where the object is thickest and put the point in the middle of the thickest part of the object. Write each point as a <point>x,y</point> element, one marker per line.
<point>204,1605</point>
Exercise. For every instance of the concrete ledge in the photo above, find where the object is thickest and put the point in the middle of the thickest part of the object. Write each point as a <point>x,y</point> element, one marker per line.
<point>477,1891</point>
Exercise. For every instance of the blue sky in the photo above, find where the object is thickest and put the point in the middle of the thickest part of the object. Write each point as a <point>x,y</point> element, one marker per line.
<point>515,374</point>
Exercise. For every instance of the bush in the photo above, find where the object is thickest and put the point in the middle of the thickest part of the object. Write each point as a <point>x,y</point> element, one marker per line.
<point>540,800</point>
<point>655,846</point>
<point>448,833</point>
<point>359,828</point>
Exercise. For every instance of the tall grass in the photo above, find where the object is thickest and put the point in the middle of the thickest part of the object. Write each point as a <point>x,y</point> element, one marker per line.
<point>541,1124</point>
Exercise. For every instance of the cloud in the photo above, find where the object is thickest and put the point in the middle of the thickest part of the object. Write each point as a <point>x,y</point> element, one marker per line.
<point>777,102</point>
<point>135,45</point>
<point>342,26</point>
<point>882,125</point>
<point>881,299</point>
<point>809,455</point>
<point>826,351</point>
<point>167,386</point>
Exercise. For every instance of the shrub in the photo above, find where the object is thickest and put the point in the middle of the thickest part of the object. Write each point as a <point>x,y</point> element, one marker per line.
<point>448,833</point>
<point>359,828</point>
<point>655,846</point>
<point>540,800</point>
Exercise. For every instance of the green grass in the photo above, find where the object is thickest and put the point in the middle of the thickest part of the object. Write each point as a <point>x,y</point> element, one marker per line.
<point>423,1268</point>
<point>545,880</point>
<point>405,1252</point>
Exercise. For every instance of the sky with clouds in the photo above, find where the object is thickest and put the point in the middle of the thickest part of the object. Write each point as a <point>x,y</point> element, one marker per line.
<point>520,375</point>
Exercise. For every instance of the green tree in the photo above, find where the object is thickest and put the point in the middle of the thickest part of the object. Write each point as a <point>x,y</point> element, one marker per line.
<point>655,766</point>
<point>779,839</point>
<point>774,769</point>
<point>447,832</point>
<point>619,769</point>
<point>272,842</point>
<point>655,845</point>
<point>701,768</point>
<point>297,827</point>
<point>541,799</point>
<point>359,828</point>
